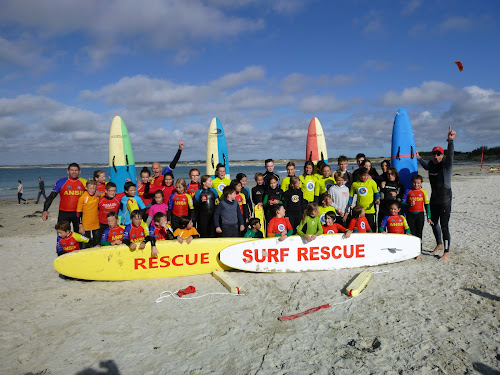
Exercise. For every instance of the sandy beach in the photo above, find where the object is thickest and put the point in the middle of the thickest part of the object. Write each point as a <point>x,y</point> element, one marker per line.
<point>425,317</point>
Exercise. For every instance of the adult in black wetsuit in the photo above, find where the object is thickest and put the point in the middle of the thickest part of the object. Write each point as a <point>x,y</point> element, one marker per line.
<point>440,178</point>
<point>269,173</point>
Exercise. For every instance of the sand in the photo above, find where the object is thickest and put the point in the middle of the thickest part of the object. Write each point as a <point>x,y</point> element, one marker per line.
<point>425,317</point>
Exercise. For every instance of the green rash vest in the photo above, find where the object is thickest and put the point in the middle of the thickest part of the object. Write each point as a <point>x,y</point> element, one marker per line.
<point>311,225</point>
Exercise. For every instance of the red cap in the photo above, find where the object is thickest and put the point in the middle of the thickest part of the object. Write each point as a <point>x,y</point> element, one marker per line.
<point>437,148</point>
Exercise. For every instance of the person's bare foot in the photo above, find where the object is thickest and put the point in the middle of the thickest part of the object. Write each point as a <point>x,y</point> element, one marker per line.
<point>438,248</point>
<point>445,257</point>
<point>418,257</point>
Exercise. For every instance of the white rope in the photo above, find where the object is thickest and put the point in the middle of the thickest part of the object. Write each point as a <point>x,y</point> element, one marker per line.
<point>174,295</point>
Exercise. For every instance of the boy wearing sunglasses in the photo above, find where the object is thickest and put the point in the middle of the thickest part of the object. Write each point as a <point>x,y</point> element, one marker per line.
<point>440,179</point>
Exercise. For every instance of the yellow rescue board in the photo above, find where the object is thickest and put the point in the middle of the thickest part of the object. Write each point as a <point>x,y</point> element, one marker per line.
<point>258,212</point>
<point>359,283</point>
<point>111,263</point>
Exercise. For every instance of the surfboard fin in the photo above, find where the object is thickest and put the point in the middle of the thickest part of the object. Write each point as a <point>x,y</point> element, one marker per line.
<point>224,157</point>
<point>311,156</point>
<point>399,150</point>
<point>412,153</point>
<point>126,159</point>
<point>114,167</point>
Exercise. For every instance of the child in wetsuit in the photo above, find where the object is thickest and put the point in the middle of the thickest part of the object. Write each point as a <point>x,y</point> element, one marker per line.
<point>340,199</point>
<point>279,226</point>
<point>186,230</point>
<point>100,178</point>
<point>242,178</point>
<point>130,202</point>
<point>308,181</point>
<point>113,235</point>
<point>326,206</point>
<point>367,194</point>
<point>394,222</point>
<point>259,190</point>
<point>159,206</point>
<point>136,234</point>
<point>67,241</point>
<point>160,229</point>
<point>240,198</point>
<point>180,204</point>
<point>324,182</point>
<point>417,204</point>
<point>310,226</point>
<point>358,223</point>
<point>391,191</point>
<point>255,229</point>
<point>228,218</point>
<point>206,199</point>
<point>272,197</point>
<point>87,213</point>
<point>331,227</point>
<point>290,171</point>
<point>294,203</point>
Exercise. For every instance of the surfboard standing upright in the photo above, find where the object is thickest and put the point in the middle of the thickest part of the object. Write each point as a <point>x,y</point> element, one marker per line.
<point>216,148</point>
<point>316,143</point>
<point>121,158</point>
<point>403,150</point>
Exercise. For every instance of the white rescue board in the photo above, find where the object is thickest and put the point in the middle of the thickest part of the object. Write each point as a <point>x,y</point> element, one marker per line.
<point>326,252</point>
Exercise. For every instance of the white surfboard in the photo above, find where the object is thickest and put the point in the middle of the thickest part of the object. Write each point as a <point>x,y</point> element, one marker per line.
<point>326,252</point>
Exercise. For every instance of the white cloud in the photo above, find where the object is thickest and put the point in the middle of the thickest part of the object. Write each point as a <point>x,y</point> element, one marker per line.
<point>375,65</point>
<point>410,7</point>
<point>455,23</point>
<point>249,74</point>
<point>22,52</point>
<point>431,92</point>
<point>327,103</point>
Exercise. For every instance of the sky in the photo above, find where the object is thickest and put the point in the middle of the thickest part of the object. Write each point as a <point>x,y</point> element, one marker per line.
<point>264,68</point>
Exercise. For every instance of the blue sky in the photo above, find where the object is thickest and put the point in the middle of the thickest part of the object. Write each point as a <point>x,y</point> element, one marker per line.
<point>264,68</point>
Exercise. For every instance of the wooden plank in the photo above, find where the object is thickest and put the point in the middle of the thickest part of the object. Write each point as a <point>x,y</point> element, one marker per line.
<point>225,280</point>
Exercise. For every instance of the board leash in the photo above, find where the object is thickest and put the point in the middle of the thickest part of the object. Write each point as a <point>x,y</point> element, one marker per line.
<point>181,292</point>
<point>321,307</point>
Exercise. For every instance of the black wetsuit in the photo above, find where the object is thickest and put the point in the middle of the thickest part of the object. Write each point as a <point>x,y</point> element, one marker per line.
<point>440,202</point>
<point>258,192</point>
<point>267,176</point>
<point>387,198</point>
<point>206,226</point>
<point>294,204</point>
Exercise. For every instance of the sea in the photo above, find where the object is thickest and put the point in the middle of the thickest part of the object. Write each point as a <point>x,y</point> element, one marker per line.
<point>50,175</point>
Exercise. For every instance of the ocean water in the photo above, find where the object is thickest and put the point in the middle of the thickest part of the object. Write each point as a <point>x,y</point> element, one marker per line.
<point>29,177</point>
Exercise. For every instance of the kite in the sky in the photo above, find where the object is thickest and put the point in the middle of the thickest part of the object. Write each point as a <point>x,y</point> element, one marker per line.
<point>460,66</point>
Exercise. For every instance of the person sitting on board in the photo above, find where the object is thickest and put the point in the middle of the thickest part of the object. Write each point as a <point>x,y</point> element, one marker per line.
<point>242,202</point>
<point>87,213</point>
<point>269,173</point>
<point>279,226</point>
<point>331,227</point>
<point>340,198</point>
<point>259,190</point>
<point>186,230</point>
<point>67,241</point>
<point>242,178</point>
<point>326,205</point>
<point>308,181</point>
<point>113,234</point>
<point>109,202</point>
<point>228,218</point>
<point>417,207</point>
<point>358,223</point>
<point>137,234</point>
<point>206,200</point>
<point>367,195</point>
<point>390,190</point>
<point>254,231</point>
<point>272,197</point>
<point>130,202</point>
<point>310,226</point>
<point>220,181</point>
<point>290,172</point>
<point>323,183</point>
<point>342,163</point>
<point>160,229</point>
<point>159,206</point>
<point>100,178</point>
<point>180,204</point>
<point>294,203</point>
<point>158,173</point>
<point>69,188</point>
<point>440,178</point>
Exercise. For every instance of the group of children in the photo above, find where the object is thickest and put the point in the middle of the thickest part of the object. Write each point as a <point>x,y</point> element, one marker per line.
<point>313,203</point>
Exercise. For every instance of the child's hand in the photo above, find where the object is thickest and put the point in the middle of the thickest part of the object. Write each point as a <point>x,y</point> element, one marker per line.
<point>189,239</point>
<point>430,221</point>
<point>180,239</point>
<point>154,252</point>
<point>393,193</point>
<point>313,237</point>
<point>204,198</point>
<point>418,156</point>
<point>169,223</point>
<point>345,216</point>
<point>218,230</point>
<point>347,234</point>
<point>283,236</point>
<point>242,228</point>
<point>308,238</point>
<point>45,215</point>
<point>217,200</point>
<point>377,202</point>
<point>81,230</point>
<point>382,184</point>
<point>142,245</point>
<point>133,246</point>
<point>260,204</point>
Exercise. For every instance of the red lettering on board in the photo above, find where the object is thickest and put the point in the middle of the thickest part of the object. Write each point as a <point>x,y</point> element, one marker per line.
<point>272,253</point>
<point>204,258</point>
<point>360,251</point>
<point>313,253</point>
<point>302,253</point>
<point>283,253</point>
<point>247,256</point>
<point>333,252</point>
<point>165,261</point>
<point>174,260</point>
<point>152,263</point>
<point>139,262</point>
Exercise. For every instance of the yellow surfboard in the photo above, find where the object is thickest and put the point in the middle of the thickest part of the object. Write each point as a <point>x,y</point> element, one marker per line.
<point>359,283</point>
<point>110,263</point>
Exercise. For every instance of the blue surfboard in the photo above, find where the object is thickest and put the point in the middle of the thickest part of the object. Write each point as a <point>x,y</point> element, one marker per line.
<point>403,150</point>
<point>216,148</point>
